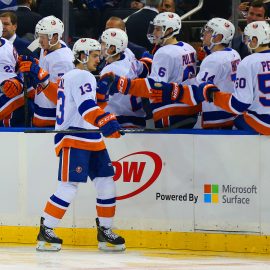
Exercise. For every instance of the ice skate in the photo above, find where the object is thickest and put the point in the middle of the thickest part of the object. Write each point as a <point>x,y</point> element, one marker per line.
<point>108,240</point>
<point>47,239</point>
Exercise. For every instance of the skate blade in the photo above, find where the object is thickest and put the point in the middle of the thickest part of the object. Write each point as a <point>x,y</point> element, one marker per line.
<point>44,246</point>
<point>104,246</point>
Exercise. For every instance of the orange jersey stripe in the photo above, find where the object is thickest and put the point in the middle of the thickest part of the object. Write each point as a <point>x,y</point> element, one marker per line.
<point>6,121</point>
<point>91,116</point>
<point>14,105</point>
<point>65,164</point>
<point>165,121</point>
<point>43,123</point>
<point>105,211</point>
<point>222,100</point>
<point>186,97</point>
<point>91,146</point>
<point>172,111</point>
<point>262,129</point>
<point>31,93</point>
<point>54,211</point>
<point>51,92</point>
<point>218,125</point>
<point>140,88</point>
<point>102,105</point>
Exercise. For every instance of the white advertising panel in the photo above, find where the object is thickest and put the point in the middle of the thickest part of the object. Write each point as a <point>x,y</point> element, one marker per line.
<point>165,182</point>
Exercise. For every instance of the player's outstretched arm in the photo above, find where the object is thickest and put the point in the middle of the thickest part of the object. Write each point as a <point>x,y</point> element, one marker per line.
<point>226,101</point>
<point>96,116</point>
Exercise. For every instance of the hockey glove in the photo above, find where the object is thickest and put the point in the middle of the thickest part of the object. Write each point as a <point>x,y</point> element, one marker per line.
<point>116,83</point>
<point>12,87</point>
<point>206,92</point>
<point>22,58</point>
<point>104,84</point>
<point>40,75</point>
<point>165,93</point>
<point>147,60</point>
<point>108,125</point>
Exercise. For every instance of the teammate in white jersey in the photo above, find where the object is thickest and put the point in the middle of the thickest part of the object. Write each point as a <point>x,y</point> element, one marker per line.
<point>11,96</point>
<point>174,62</point>
<point>251,97</point>
<point>219,68</point>
<point>121,61</point>
<point>82,155</point>
<point>56,59</point>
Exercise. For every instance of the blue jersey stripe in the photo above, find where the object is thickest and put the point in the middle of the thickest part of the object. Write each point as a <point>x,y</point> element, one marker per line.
<point>59,201</point>
<point>216,115</point>
<point>263,117</point>
<point>46,112</point>
<point>238,105</point>
<point>108,201</point>
<point>90,136</point>
<point>3,100</point>
<point>86,105</point>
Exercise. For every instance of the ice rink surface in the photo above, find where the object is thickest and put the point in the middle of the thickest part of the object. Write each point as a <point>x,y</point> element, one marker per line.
<point>73,258</point>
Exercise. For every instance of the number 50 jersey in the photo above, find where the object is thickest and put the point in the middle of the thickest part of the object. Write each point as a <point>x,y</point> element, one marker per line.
<point>76,107</point>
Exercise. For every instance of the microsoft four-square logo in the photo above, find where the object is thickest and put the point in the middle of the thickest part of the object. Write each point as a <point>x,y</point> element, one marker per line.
<point>210,193</point>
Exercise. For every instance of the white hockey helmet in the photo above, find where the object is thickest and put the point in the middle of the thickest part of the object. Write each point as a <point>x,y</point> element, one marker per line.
<point>114,37</point>
<point>165,20</point>
<point>1,29</point>
<point>50,25</point>
<point>221,26</point>
<point>259,30</point>
<point>85,45</point>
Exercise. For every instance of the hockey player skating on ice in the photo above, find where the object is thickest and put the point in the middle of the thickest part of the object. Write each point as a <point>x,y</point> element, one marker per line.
<point>82,154</point>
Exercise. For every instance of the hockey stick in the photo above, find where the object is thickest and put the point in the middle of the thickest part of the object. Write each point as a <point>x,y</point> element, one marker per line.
<point>122,131</point>
<point>26,108</point>
<point>74,131</point>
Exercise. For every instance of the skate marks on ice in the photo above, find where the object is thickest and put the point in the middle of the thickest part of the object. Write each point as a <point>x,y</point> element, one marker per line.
<point>69,258</point>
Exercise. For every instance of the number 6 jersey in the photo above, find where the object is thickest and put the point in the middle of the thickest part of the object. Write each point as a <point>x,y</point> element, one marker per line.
<point>173,63</point>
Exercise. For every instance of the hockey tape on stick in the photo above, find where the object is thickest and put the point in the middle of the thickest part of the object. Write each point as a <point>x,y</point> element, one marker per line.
<point>34,45</point>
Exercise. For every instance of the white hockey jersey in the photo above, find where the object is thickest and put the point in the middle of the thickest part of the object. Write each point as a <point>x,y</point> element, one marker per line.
<point>173,63</point>
<point>251,94</point>
<point>8,59</point>
<point>57,63</point>
<point>76,101</point>
<point>220,68</point>
<point>127,108</point>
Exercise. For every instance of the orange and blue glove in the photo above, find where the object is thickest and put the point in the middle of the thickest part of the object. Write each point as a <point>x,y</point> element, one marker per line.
<point>206,92</point>
<point>147,60</point>
<point>104,84</point>
<point>166,93</point>
<point>40,75</point>
<point>22,58</point>
<point>108,125</point>
<point>11,87</point>
<point>111,83</point>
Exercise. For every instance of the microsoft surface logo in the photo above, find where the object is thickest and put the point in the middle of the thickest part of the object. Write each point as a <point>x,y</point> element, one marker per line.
<point>210,193</point>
